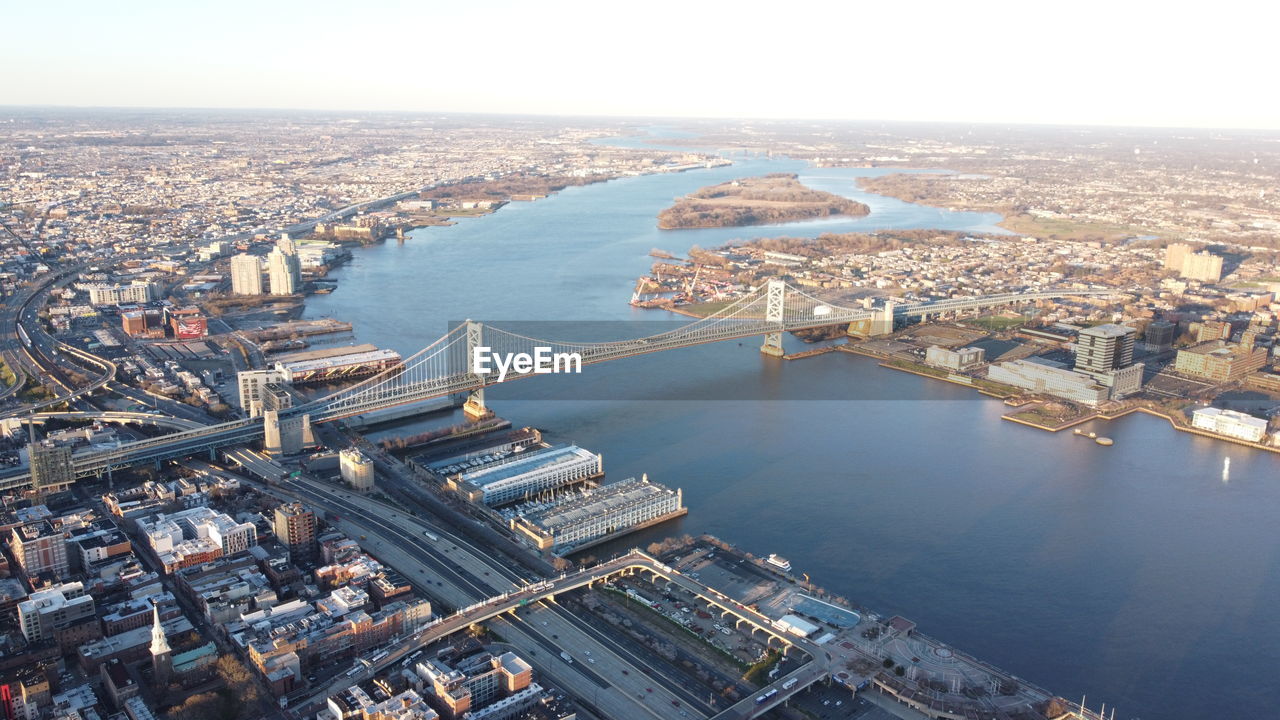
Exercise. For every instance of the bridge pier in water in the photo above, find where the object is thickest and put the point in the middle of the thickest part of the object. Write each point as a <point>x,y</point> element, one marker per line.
<point>474,408</point>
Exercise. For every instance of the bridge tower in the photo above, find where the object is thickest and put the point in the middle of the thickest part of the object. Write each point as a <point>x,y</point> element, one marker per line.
<point>883,322</point>
<point>474,408</point>
<point>776,301</point>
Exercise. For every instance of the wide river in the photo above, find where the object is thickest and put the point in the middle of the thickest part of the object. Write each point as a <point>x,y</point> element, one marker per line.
<point>1133,574</point>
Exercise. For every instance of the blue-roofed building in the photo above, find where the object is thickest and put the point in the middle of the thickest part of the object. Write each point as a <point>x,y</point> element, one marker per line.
<point>523,477</point>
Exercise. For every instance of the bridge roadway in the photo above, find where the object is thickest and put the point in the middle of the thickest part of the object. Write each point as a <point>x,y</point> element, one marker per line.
<point>394,390</point>
<point>635,561</point>
<point>120,416</point>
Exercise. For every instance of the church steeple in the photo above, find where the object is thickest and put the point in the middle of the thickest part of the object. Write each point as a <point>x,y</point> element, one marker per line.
<point>161,662</point>
<point>159,641</point>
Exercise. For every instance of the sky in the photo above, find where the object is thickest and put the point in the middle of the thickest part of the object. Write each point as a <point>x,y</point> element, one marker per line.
<point>1188,64</point>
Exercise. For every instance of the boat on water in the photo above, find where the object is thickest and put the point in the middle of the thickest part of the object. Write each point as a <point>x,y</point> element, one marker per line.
<point>1226,469</point>
<point>779,562</point>
<point>1105,441</point>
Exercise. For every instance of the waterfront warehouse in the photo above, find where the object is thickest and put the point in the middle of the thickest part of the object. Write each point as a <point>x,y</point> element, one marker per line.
<point>601,513</point>
<point>529,474</point>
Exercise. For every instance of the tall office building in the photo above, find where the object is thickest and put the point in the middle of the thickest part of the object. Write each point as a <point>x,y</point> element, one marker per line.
<point>1160,335</point>
<point>1105,353</point>
<point>246,275</point>
<point>287,245</point>
<point>295,526</point>
<point>285,272</point>
<point>1103,348</point>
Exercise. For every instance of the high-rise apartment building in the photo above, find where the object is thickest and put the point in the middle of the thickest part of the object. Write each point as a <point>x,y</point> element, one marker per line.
<point>51,465</point>
<point>1203,266</point>
<point>285,272</point>
<point>253,388</point>
<point>38,547</point>
<point>295,526</point>
<point>246,275</point>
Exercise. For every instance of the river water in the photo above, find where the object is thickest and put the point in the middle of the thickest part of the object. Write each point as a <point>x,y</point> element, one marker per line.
<point>1133,574</point>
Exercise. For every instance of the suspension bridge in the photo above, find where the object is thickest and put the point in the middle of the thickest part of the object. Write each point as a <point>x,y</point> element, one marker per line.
<point>445,367</point>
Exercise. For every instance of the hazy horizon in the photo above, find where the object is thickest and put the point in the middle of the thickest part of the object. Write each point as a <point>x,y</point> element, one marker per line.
<point>621,119</point>
<point>1094,64</point>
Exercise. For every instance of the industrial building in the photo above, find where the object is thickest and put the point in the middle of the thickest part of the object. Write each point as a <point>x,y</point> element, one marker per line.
<point>528,474</point>
<point>600,513</point>
<point>1230,423</point>
<point>187,323</point>
<point>335,364</point>
<point>959,360</point>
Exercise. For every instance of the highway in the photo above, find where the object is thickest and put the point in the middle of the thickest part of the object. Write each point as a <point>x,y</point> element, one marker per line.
<point>618,684</point>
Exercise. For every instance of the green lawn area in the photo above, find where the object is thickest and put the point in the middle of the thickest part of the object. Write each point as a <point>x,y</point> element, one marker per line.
<point>708,308</point>
<point>1067,229</point>
<point>1034,415</point>
<point>996,323</point>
